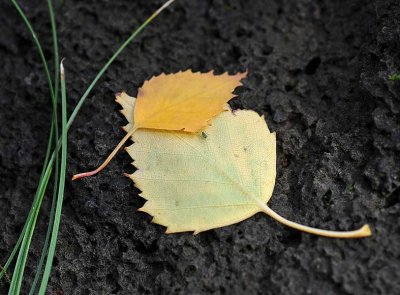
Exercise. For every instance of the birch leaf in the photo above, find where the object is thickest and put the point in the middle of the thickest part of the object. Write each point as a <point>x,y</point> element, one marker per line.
<point>195,183</point>
<point>184,100</point>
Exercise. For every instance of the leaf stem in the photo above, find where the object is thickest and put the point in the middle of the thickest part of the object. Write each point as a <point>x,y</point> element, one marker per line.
<point>109,158</point>
<point>364,231</point>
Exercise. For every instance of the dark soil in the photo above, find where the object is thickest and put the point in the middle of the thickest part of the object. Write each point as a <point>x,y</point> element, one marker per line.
<point>318,71</point>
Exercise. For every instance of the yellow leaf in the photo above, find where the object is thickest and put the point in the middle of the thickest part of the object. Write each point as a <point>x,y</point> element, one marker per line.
<point>196,182</point>
<point>184,100</point>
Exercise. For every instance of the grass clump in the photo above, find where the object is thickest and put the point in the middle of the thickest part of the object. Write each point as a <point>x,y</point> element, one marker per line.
<point>51,163</point>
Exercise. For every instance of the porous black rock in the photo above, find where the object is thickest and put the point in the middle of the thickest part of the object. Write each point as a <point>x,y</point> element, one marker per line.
<point>319,72</point>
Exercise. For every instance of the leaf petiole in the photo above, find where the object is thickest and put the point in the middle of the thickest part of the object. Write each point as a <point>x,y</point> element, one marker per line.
<point>364,231</point>
<point>109,158</point>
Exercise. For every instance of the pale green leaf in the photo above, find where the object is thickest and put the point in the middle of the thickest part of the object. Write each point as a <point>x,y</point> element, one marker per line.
<point>219,176</point>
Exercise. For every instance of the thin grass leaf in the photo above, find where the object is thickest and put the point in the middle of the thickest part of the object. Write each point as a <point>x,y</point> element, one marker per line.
<point>71,119</point>
<point>43,185</point>
<point>38,45</point>
<point>16,281</point>
<point>60,197</point>
<point>31,221</point>
<point>19,241</point>
<point>45,249</point>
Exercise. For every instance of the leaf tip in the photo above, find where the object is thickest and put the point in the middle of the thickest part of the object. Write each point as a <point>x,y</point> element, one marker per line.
<point>62,71</point>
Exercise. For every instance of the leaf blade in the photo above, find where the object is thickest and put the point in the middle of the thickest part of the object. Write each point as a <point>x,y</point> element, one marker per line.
<point>184,100</point>
<point>209,189</point>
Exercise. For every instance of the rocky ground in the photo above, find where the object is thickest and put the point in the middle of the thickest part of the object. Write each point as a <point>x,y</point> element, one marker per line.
<point>319,72</point>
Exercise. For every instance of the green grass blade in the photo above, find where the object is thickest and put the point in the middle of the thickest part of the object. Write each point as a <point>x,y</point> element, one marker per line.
<point>79,105</point>
<point>57,218</point>
<point>42,186</point>
<point>38,45</point>
<point>16,247</point>
<point>51,135</point>
<point>45,249</point>
<point>16,281</point>
<point>55,48</point>
<point>31,220</point>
